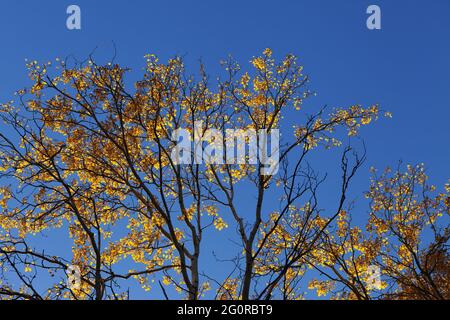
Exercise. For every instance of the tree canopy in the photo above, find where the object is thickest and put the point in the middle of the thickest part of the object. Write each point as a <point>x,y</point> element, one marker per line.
<point>87,154</point>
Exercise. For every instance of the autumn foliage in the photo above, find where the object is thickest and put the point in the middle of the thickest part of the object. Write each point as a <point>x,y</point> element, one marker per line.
<point>85,157</point>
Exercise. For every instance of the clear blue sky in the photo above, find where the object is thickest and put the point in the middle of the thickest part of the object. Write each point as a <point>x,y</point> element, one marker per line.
<point>405,67</point>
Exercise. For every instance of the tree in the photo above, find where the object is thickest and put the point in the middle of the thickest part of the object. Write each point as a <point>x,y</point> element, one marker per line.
<point>406,237</point>
<point>88,157</point>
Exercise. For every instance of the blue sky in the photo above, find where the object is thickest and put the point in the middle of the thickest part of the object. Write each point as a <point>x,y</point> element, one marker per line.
<point>405,66</point>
